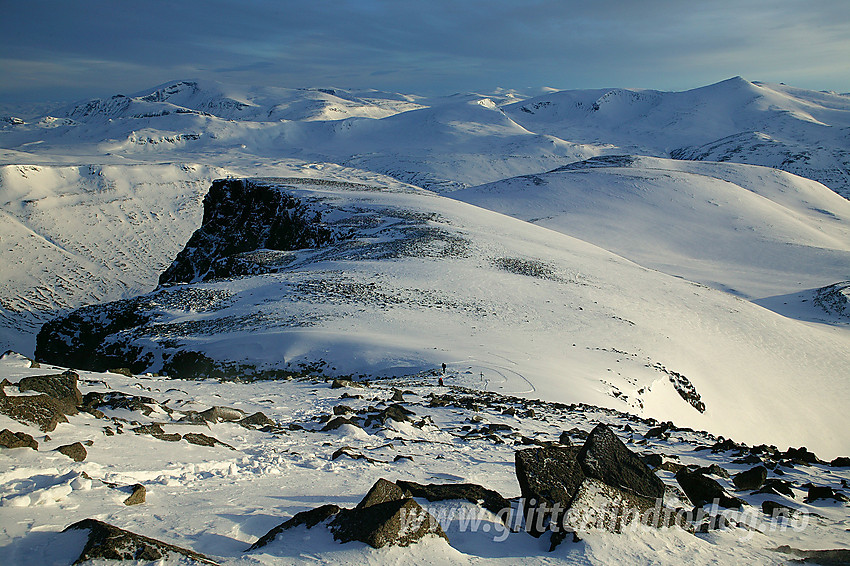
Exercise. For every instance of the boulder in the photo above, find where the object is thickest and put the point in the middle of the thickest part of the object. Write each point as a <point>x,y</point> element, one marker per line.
<point>381,492</point>
<point>337,422</point>
<point>43,411</point>
<point>204,440</point>
<point>107,542</point>
<point>76,451</point>
<point>753,478</point>
<point>391,523</point>
<point>9,439</point>
<point>397,397</point>
<point>62,387</point>
<point>474,493</point>
<point>548,477</point>
<point>257,419</point>
<point>776,486</point>
<point>137,496</point>
<point>775,509</point>
<point>606,458</point>
<point>824,492</point>
<point>309,518</point>
<point>702,490</point>
<point>840,462</point>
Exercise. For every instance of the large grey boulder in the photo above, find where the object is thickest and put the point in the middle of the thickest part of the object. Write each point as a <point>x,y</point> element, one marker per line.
<point>392,523</point>
<point>606,458</point>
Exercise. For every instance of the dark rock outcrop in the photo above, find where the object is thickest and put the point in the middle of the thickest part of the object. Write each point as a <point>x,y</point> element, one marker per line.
<point>204,440</point>
<point>242,216</point>
<point>9,439</point>
<point>107,542</point>
<point>548,476</point>
<point>381,492</point>
<point>43,411</point>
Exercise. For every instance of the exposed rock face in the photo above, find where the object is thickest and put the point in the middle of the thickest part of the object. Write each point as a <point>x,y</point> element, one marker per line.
<point>606,458</point>
<point>381,492</point>
<point>76,451</point>
<point>702,490</point>
<point>107,542</point>
<point>241,216</point>
<point>9,439</point>
<point>549,475</point>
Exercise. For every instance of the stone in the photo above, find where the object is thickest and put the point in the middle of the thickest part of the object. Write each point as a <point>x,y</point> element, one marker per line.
<point>62,387</point>
<point>606,458</point>
<point>753,478</point>
<point>342,410</point>
<point>76,451</point>
<point>840,462</point>
<point>776,486</point>
<point>309,518</point>
<point>121,371</point>
<point>824,492</point>
<point>702,490</point>
<point>564,439</point>
<point>775,509</point>
<point>548,476</point>
<point>397,396</point>
<point>204,440</point>
<point>713,470</point>
<point>474,493</point>
<point>338,383</point>
<point>9,439</point>
<point>800,455</point>
<point>381,492</point>
<point>257,419</point>
<point>107,542</point>
<point>391,523</point>
<point>43,411</point>
<point>137,497</point>
<point>337,422</point>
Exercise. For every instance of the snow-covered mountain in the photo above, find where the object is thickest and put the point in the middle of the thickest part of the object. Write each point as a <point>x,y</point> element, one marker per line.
<point>753,231</point>
<point>293,275</point>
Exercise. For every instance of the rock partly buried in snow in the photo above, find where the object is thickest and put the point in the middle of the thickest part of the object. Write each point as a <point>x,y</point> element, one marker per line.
<point>43,411</point>
<point>382,491</point>
<point>702,490</point>
<point>753,478</point>
<point>474,493</point>
<point>309,518</point>
<point>215,415</point>
<point>549,476</point>
<point>204,440</point>
<point>257,419</point>
<point>392,523</point>
<point>76,451</point>
<point>137,497</point>
<point>606,458</point>
<point>9,439</point>
<point>107,542</point>
<point>62,387</point>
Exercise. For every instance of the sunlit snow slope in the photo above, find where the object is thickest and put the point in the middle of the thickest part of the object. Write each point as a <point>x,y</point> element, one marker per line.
<point>401,280</point>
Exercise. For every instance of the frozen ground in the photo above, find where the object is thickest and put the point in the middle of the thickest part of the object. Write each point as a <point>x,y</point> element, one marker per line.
<point>218,501</point>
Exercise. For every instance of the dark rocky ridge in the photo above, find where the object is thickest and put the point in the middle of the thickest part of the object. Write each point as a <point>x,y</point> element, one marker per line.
<point>242,216</point>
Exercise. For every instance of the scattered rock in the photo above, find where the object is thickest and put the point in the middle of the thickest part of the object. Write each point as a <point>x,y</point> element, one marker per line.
<point>168,437</point>
<point>153,429</point>
<point>75,451</point>
<point>343,410</point>
<point>841,462</point>
<point>137,497</point>
<point>713,470</point>
<point>397,396</point>
<point>565,439</point>
<point>775,509</point>
<point>309,518</point>
<point>753,478</point>
<point>337,422</point>
<point>338,383</point>
<point>9,439</point>
<point>107,542</point>
<point>800,456</point>
<point>702,490</point>
<point>220,414</point>
<point>837,556</point>
<point>776,486</point>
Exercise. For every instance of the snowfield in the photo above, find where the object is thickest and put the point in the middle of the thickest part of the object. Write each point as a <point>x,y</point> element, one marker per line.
<point>664,263</point>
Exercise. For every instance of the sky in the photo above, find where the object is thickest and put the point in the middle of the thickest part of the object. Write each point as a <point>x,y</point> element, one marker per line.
<point>62,50</point>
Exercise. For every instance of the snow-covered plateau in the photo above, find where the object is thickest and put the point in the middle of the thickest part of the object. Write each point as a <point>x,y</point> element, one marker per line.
<point>486,276</point>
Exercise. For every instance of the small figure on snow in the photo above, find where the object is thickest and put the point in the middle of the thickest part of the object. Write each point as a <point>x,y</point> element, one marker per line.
<point>444,368</point>
<point>441,382</point>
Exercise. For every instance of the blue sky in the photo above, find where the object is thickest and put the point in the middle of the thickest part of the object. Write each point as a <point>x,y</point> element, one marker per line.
<point>62,49</point>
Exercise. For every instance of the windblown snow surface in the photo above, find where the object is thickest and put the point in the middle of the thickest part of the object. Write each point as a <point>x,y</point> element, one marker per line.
<point>679,256</point>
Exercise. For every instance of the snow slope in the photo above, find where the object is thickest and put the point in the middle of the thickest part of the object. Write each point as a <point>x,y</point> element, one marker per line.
<point>421,279</point>
<point>752,231</point>
<point>219,501</point>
